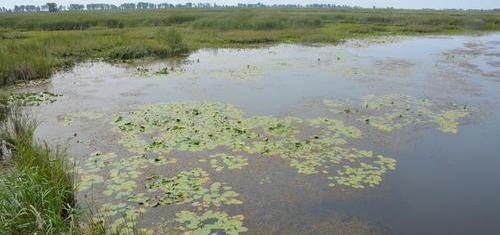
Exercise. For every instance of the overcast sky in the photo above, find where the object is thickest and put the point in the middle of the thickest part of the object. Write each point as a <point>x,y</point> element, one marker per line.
<point>439,4</point>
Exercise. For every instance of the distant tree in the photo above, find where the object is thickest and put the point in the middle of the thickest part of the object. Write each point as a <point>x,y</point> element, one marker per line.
<point>76,7</point>
<point>52,7</point>
<point>142,5</point>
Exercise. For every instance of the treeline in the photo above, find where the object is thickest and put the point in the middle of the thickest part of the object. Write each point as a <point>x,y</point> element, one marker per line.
<point>52,7</point>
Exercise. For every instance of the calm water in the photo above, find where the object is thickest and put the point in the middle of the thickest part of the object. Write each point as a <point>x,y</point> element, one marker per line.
<point>443,184</point>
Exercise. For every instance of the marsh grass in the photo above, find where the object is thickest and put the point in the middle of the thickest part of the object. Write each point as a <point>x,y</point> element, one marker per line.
<point>37,190</point>
<point>35,45</point>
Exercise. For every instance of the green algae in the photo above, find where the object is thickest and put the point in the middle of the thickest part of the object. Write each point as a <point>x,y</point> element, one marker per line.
<point>392,112</point>
<point>220,161</point>
<point>210,222</point>
<point>33,99</point>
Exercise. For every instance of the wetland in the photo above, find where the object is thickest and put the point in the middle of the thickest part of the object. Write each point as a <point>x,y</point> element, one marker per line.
<point>386,135</point>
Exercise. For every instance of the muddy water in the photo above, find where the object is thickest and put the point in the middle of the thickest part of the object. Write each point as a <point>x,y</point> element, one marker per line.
<point>444,183</point>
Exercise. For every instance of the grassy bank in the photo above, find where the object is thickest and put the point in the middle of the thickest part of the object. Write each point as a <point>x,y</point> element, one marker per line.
<point>36,190</point>
<point>35,45</point>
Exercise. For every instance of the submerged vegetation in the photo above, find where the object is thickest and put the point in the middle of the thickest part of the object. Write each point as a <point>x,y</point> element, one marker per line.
<point>35,45</point>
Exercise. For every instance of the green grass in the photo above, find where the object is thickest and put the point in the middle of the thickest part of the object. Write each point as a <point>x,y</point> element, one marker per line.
<point>35,45</point>
<point>36,191</point>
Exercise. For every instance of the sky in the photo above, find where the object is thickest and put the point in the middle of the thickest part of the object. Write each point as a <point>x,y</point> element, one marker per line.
<point>414,4</point>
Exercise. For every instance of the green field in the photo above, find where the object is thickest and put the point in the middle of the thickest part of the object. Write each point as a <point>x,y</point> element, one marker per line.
<point>34,45</point>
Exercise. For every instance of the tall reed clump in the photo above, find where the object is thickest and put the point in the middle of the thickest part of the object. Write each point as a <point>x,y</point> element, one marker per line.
<point>173,40</point>
<point>36,190</point>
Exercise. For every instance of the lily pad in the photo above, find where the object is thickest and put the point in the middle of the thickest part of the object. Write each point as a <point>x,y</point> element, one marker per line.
<point>33,98</point>
<point>210,222</point>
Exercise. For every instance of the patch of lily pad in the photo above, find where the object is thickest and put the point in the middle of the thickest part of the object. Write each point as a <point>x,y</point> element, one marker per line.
<point>120,175</point>
<point>126,218</point>
<point>193,187</point>
<point>33,98</point>
<point>365,174</point>
<point>210,222</point>
<point>120,179</point>
<point>153,133</point>
<point>220,161</point>
<point>312,146</point>
<point>392,112</point>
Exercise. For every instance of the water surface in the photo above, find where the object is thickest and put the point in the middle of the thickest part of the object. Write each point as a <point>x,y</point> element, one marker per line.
<point>444,183</point>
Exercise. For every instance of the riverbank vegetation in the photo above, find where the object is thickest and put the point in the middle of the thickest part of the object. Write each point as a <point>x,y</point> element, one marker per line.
<point>34,45</point>
<point>36,188</point>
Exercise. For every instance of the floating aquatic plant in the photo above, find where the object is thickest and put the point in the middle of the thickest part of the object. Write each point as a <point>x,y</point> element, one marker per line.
<point>210,222</point>
<point>87,181</point>
<point>32,98</point>
<point>392,112</point>
<point>71,119</point>
<point>120,174</point>
<point>365,174</point>
<point>182,126</point>
<point>311,146</point>
<point>265,180</point>
<point>191,187</point>
<point>98,161</point>
<point>222,160</point>
<point>448,120</point>
<point>126,218</point>
<point>142,71</point>
<point>163,71</point>
<point>243,73</point>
